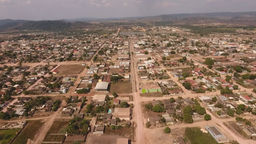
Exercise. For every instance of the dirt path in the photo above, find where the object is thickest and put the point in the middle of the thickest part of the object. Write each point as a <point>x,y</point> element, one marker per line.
<point>137,117</point>
<point>41,133</point>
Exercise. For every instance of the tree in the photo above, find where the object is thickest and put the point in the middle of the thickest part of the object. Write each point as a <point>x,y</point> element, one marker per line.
<point>214,99</point>
<point>95,76</point>
<point>167,130</point>
<point>209,61</point>
<point>207,117</point>
<point>235,87</point>
<point>187,85</point>
<point>115,95</point>
<point>172,100</point>
<point>187,118</point>
<point>241,107</point>
<point>83,91</point>
<point>163,58</point>
<point>239,119</point>
<point>124,105</point>
<point>149,106</point>
<point>188,110</point>
<point>158,108</point>
<point>148,124</point>
<point>200,110</point>
<point>231,112</point>
<point>210,66</point>
<point>146,52</point>
<point>239,111</point>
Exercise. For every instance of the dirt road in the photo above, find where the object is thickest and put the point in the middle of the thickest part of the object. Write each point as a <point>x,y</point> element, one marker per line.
<point>41,133</point>
<point>137,117</point>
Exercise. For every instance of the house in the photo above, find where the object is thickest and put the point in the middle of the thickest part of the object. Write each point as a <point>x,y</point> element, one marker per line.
<point>98,129</point>
<point>102,86</point>
<point>122,113</point>
<point>116,101</point>
<point>217,134</point>
<point>67,111</point>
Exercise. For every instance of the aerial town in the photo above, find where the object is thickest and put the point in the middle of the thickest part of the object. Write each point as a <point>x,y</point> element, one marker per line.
<point>128,85</point>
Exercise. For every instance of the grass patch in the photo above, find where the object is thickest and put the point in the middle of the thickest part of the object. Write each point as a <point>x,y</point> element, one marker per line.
<point>196,136</point>
<point>8,135</point>
<point>28,132</point>
<point>57,126</point>
<point>121,87</point>
<point>54,138</point>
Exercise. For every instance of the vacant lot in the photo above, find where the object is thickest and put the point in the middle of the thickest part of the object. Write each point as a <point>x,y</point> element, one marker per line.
<point>121,87</point>
<point>70,69</point>
<point>153,94</point>
<point>125,132</point>
<point>54,138</point>
<point>57,131</point>
<point>8,135</point>
<point>102,139</point>
<point>196,136</point>
<point>57,126</point>
<point>28,132</point>
<point>234,127</point>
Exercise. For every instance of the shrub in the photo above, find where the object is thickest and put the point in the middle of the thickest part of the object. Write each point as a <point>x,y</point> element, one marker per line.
<point>207,117</point>
<point>167,130</point>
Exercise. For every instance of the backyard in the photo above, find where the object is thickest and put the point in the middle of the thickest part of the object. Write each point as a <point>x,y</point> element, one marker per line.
<point>8,135</point>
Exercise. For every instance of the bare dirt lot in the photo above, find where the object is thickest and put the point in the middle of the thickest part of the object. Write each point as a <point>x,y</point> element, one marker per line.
<point>121,87</point>
<point>70,69</point>
<point>102,139</point>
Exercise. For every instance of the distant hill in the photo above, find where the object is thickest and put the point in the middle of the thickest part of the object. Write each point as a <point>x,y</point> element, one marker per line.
<point>233,18</point>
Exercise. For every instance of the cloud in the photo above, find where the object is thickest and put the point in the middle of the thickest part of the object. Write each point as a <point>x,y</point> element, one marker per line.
<point>5,1</point>
<point>125,4</point>
<point>93,3</point>
<point>167,4</point>
<point>28,2</point>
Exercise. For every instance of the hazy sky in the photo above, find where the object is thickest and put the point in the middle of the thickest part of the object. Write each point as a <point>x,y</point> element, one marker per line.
<point>69,9</point>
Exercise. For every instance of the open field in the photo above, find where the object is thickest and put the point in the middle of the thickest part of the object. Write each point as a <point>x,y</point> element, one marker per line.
<point>8,135</point>
<point>54,138</point>
<point>234,127</point>
<point>102,139</point>
<point>121,87</point>
<point>28,132</point>
<point>70,69</point>
<point>57,126</point>
<point>153,94</point>
<point>196,136</point>
<point>125,132</point>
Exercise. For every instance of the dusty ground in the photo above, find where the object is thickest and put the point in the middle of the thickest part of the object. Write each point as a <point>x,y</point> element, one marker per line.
<point>102,139</point>
<point>70,69</point>
<point>121,87</point>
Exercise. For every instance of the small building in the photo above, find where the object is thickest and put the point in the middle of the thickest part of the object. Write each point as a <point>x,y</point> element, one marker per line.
<point>98,129</point>
<point>102,86</point>
<point>217,134</point>
<point>122,113</point>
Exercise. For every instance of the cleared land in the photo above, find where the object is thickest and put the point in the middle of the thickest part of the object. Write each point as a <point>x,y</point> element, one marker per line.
<point>70,69</point>
<point>233,126</point>
<point>125,132</point>
<point>196,136</point>
<point>28,132</point>
<point>57,126</point>
<point>56,132</point>
<point>121,87</point>
<point>8,135</point>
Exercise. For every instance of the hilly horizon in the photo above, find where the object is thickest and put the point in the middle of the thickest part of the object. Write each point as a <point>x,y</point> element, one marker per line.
<point>233,18</point>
